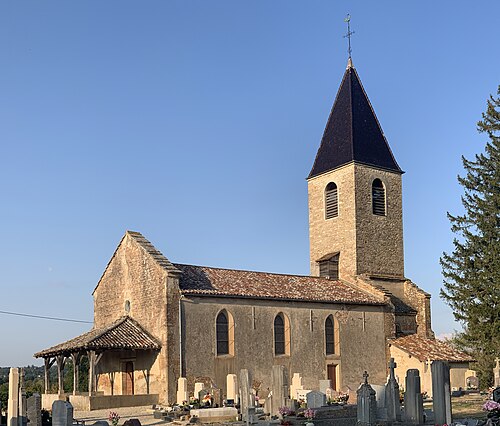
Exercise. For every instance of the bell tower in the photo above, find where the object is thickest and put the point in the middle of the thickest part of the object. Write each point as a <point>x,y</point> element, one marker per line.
<point>355,193</point>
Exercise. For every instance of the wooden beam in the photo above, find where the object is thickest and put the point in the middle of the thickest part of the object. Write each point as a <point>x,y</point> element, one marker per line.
<point>60,372</point>
<point>75,357</point>
<point>91,356</point>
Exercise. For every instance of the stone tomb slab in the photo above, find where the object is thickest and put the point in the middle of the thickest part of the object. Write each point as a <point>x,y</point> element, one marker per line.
<point>315,399</point>
<point>216,415</point>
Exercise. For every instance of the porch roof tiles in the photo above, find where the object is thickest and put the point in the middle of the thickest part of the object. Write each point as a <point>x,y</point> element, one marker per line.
<point>124,333</point>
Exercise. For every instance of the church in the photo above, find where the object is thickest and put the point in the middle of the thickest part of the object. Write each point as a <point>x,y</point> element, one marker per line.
<point>156,320</point>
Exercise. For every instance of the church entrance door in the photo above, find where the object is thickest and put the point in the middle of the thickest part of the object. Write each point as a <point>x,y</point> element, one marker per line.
<point>332,375</point>
<point>128,378</point>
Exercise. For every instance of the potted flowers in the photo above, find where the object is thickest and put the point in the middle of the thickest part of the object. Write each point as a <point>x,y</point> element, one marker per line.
<point>114,418</point>
<point>284,412</point>
<point>309,415</point>
<point>493,409</point>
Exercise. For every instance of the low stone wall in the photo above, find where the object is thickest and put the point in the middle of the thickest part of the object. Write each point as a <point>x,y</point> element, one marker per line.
<point>99,402</point>
<point>116,401</point>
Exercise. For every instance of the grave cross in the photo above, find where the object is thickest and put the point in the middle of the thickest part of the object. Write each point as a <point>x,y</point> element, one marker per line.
<point>497,360</point>
<point>365,377</point>
<point>392,366</point>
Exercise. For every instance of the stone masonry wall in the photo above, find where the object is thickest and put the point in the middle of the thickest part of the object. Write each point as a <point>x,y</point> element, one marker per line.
<point>337,234</point>
<point>421,302</point>
<point>367,243</point>
<point>379,239</point>
<point>132,275</point>
<point>361,341</point>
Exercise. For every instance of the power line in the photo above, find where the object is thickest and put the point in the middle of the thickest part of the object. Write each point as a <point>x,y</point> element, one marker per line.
<point>44,317</point>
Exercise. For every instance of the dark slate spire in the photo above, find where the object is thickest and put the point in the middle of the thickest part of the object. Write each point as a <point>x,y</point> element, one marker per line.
<point>353,133</point>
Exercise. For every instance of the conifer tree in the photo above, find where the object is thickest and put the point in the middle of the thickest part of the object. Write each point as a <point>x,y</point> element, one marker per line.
<point>472,271</point>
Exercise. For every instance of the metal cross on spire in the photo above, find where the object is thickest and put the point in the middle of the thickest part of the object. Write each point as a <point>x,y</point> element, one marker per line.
<point>349,33</point>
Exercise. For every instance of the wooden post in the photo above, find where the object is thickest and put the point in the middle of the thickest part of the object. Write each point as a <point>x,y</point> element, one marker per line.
<point>91,356</point>
<point>47,363</point>
<point>60,373</point>
<point>75,357</point>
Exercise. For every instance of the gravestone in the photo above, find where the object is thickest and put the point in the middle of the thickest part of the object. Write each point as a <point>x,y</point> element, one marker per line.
<point>496,373</point>
<point>392,403</point>
<point>35,410</point>
<point>251,417</point>
<point>316,399</point>
<point>496,394</point>
<point>324,385</point>
<point>13,402</point>
<point>182,393</point>
<point>441,392</point>
<point>132,422</point>
<point>380,399</point>
<point>296,385</point>
<point>246,395</point>
<point>414,406</point>
<point>366,404</point>
<point>22,419</point>
<point>232,388</point>
<point>280,388</point>
<point>62,413</point>
<point>198,387</point>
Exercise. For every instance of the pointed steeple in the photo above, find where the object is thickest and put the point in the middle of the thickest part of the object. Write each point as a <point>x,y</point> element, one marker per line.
<point>353,133</point>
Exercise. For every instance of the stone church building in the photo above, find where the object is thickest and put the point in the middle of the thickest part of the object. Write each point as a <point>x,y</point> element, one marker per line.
<point>156,320</point>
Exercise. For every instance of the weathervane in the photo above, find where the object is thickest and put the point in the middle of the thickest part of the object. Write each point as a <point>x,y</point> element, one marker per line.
<point>349,33</point>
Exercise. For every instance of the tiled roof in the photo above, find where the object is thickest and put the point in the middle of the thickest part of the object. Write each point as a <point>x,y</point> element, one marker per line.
<point>352,132</point>
<point>432,349</point>
<point>124,333</point>
<point>202,280</point>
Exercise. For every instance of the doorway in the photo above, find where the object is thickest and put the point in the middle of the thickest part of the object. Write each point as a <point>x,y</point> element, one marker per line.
<point>332,375</point>
<point>128,378</point>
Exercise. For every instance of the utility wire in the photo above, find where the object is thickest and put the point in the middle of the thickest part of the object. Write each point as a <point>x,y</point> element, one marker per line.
<point>44,317</point>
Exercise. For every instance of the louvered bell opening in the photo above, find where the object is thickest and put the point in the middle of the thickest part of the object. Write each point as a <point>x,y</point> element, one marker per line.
<point>378,198</point>
<point>331,201</point>
<point>329,268</point>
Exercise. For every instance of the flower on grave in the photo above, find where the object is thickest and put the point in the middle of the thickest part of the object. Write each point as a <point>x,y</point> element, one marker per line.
<point>207,399</point>
<point>309,414</point>
<point>113,417</point>
<point>285,411</point>
<point>491,405</point>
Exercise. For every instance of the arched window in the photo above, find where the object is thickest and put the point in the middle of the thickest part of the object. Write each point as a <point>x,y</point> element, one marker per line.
<point>331,201</point>
<point>378,197</point>
<point>281,335</point>
<point>222,326</point>
<point>329,336</point>
<point>224,331</point>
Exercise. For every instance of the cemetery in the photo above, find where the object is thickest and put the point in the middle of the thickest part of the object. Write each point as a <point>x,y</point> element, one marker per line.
<point>286,402</point>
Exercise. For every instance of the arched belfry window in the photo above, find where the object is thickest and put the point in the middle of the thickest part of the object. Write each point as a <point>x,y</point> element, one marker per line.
<point>378,197</point>
<point>329,336</point>
<point>331,201</point>
<point>281,335</point>
<point>224,327</point>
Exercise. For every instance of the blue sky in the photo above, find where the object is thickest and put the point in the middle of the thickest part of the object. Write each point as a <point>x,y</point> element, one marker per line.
<point>196,123</point>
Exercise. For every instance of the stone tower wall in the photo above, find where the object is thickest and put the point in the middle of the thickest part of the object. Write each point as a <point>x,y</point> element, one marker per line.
<point>379,239</point>
<point>368,244</point>
<point>336,234</point>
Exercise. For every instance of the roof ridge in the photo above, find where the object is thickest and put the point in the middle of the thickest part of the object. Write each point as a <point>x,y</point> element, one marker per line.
<point>255,272</point>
